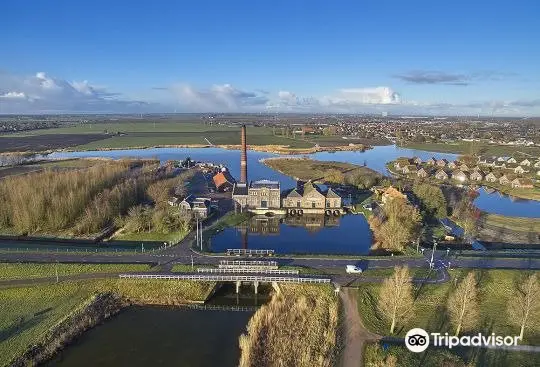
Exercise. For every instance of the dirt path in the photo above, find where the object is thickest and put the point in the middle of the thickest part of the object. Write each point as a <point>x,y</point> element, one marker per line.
<point>356,336</point>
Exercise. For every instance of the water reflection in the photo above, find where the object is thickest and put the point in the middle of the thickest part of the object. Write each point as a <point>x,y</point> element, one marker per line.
<point>316,234</point>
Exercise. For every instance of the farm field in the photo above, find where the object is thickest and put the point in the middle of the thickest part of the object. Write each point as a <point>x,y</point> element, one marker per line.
<point>10,271</point>
<point>117,135</point>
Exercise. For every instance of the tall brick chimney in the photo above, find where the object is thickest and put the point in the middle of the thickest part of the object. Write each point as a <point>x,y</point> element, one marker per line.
<point>243,158</point>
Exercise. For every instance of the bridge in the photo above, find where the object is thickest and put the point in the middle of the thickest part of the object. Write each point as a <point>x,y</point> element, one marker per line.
<point>236,278</point>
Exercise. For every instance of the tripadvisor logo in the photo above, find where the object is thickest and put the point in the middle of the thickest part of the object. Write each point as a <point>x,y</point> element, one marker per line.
<point>417,340</point>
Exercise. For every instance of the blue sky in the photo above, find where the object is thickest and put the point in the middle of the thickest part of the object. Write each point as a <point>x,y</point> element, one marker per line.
<point>455,57</point>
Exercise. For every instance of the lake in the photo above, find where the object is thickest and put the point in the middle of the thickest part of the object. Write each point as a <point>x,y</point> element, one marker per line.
<point>375,159</point>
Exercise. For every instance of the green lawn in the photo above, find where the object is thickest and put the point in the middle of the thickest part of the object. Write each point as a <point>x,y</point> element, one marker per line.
<point>495,287</point>
<point>38,270</point>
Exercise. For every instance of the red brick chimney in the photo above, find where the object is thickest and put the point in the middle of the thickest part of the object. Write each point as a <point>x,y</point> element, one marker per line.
<point>243,158</point>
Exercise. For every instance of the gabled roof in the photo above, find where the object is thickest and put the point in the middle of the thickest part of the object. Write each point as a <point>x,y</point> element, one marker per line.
<point>292,193</point>
<point>222,178</point>
<point>331,193</point>
<point>240,189</point>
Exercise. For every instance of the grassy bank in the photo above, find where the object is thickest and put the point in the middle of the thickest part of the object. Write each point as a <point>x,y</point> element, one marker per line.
<point>495,289</point>
<point>310,169</point>
<point>521,224</point>
<point>297,328</point>
<point>30,313</point>
<point>152,236</point>
<point>35,270</point>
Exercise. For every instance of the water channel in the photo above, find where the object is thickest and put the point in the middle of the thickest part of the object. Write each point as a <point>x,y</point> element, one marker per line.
<point>375,158</point>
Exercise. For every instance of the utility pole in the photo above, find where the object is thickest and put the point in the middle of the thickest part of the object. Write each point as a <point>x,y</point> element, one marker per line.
<point>197,219</point>
<point>56,271</point>
<point>201,236</point>
<point>432,254</point>
<point>191,262</point>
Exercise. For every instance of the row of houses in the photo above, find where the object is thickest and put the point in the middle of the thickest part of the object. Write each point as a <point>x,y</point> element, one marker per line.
<point>460,173</point>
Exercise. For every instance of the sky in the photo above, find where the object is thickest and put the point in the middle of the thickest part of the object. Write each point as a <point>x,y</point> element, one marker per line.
<point>364,56</point>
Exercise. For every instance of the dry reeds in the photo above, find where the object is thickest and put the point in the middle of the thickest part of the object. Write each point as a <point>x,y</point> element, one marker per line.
<point>297,328</point>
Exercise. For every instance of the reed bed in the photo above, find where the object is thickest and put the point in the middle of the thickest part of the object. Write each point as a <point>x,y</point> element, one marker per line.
<point>299,327</point>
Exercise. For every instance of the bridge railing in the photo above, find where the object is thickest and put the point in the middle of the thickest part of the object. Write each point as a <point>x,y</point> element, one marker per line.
<point>225,263</point>
<point>255,269</point>
<point>228,278</point>
<point>249,252</point>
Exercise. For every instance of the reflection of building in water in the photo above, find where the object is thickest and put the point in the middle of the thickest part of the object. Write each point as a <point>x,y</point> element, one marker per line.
<point>312,222</point>
<point>261,225</point>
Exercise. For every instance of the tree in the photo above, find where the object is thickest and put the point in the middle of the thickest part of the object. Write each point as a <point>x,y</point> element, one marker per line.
<point>467,215</point>
<point>396,296</point>
<point>432,199</point>
<point>399,227</point>
<point>523,307</point>
<point>334,175</point>
<point>463,305</point>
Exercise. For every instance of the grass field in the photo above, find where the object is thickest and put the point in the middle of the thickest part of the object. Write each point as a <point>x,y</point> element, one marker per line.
<point>36,270</point>
<point>495,289</point>
<point>329,141</point>
<point>475,147</point>
<point>521,224</point>
<point>531,194</point>
<point>309,169</point>
<point>148,134</point>
<point>29,313</point>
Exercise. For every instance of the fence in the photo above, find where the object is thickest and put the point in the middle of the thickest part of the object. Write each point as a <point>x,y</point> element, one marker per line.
<point>249,252</point>
<point>227,278</point>
<point>254,269</point>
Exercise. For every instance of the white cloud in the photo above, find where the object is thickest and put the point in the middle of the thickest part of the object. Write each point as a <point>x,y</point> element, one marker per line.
<point>42,93</point>
<point>222,97</point>
<point>14,95</point>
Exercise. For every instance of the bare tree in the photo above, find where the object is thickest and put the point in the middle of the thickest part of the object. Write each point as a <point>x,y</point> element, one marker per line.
<point>463,305</point>
<point>396,296</point>
<point>523,307</point>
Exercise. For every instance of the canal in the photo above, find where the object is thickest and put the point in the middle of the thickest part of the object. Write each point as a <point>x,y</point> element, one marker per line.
<point>167,336</point>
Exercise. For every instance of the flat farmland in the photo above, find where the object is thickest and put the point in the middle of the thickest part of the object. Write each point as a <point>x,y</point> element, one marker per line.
<point>37,143</point>
<point>143,134</point>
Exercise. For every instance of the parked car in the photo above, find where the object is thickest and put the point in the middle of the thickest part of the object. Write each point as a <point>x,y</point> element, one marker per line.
<point>353,269</point>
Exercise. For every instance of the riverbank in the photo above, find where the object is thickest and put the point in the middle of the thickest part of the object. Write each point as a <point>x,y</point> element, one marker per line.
<point>463,147</point>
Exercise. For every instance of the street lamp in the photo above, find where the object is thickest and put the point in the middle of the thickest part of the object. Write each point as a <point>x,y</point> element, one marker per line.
<point>432,254</point>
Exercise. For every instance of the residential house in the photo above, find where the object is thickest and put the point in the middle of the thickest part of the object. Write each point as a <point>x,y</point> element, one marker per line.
<point>505,179</point>
<point>432,161</point>
<point>459,176</point>
<point>522,183</point>
<point>422,173</point>
<point>537,164</point>
<point>511,160</point>
<point>489,162</point>
<point>401,162</point>
<point>223,181</point>
<point>502,159</point>
<point>410,169</point>
<point>198,205</point>
<point>464,167</point>
<point>452,165</point>
<point>417,160</point>
<point>525,162</point>
<point>442,162</point>
<point>476,176</point>
<point>441,175</point>
<point>520,170</point>
<point>492,177</point>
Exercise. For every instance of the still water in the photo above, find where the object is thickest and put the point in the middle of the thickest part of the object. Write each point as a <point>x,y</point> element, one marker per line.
<point>375,159</point>
<point>348,235</point>
<point>166,336</point>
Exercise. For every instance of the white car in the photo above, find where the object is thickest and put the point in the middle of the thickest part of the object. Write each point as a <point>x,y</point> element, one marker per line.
<point>353,269</point>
